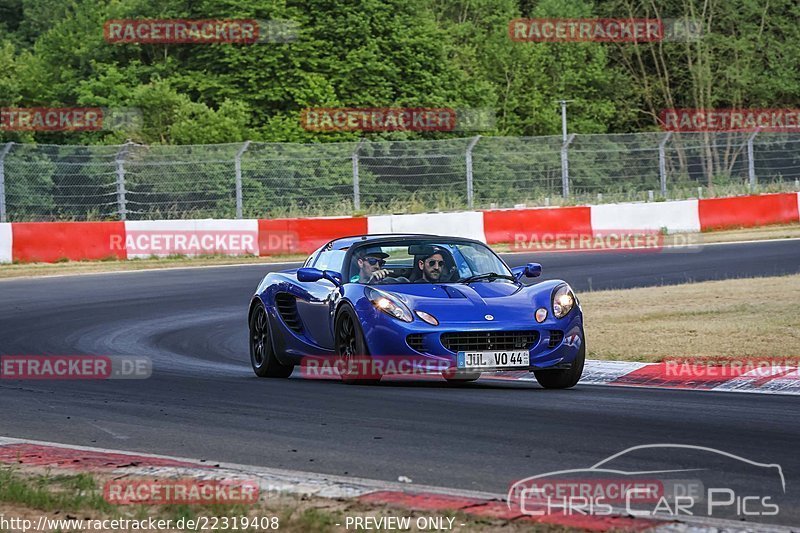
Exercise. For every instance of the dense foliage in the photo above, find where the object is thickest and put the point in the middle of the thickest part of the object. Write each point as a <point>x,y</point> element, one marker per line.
<point>454,53</point>
<point>395,53</point>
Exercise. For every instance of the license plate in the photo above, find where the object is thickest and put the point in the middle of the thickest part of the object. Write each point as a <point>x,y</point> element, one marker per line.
<point>519,358</point>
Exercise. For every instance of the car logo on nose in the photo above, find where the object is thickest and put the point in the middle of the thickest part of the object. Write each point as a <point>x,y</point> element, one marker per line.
<point>488,317</point>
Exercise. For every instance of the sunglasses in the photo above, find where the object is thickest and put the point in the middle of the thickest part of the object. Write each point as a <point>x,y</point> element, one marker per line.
<point>434,262</point>
<point>375,261</point>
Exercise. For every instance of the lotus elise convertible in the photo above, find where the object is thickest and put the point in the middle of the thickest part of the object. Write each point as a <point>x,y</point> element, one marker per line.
<point>419,302</point>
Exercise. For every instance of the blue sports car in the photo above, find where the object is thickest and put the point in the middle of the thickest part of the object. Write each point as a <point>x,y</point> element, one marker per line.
<point>417,303</point>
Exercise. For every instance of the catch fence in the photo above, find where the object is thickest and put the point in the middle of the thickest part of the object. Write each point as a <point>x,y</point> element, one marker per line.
<point>253,179</point>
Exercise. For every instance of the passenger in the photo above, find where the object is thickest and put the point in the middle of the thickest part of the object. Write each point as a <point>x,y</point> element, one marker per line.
<point>370,265</point>
<point>433,266</point>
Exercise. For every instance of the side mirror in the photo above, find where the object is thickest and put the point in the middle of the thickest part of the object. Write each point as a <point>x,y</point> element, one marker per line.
<point>531,270</point>
<point>310,275</point>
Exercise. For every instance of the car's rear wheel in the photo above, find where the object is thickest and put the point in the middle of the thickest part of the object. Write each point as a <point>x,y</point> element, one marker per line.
<point>564,379</point>
<point>354,362</point>
<point>262,354</point>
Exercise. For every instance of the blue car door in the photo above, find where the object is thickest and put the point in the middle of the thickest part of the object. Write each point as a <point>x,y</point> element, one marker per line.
<point>317,301</point>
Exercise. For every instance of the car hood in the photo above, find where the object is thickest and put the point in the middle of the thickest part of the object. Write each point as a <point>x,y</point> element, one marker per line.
<point>461,302</point>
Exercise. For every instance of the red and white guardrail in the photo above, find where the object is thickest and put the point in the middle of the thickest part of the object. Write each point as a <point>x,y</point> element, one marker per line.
<point>58,241</point>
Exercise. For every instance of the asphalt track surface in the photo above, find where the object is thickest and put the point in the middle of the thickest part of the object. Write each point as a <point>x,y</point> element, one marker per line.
<point>203,401</point>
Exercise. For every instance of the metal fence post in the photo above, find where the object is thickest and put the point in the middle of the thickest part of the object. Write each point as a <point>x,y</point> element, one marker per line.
<point>662,163</point>
<point>122,208</point>
<point>356,187</point>
<point>470,188</point>
<point>565,166</point>
<point>751,162</point>
<point>238,185</point>
<point>3,154</point>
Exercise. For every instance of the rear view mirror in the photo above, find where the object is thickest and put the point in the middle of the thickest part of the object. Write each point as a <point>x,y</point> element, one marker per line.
<point>420,249</point>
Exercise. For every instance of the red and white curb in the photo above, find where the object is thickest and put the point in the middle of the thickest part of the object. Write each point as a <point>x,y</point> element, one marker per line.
<point>272,481</point>
<point>749,376</point>
<point>56,241</point>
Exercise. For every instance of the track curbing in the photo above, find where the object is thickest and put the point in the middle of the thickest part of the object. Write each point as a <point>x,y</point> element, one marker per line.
<point>270,480</point>
<point>756,378</point>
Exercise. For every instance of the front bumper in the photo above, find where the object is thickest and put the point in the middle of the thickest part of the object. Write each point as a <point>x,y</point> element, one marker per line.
<point>557,345</point>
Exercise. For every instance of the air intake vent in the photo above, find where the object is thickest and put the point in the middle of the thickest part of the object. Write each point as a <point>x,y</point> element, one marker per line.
<point>555,338</point>
<point>415,341</point>
<point>287,308</point>
<point>489,340</point>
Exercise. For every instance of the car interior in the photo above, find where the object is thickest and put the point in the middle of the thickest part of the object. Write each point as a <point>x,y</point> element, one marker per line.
<point>403,267</point>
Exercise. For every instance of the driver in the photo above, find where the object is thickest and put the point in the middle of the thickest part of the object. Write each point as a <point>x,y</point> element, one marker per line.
<point>370,265</point>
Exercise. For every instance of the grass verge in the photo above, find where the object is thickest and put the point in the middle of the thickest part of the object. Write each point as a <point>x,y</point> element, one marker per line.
<point>30,495</point>
<point>61,268</point>
<point>737,318</point>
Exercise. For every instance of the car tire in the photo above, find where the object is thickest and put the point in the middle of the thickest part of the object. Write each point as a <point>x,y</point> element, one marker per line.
<point>354,362</point>
<point>564,379</point>
<point>262,353</point>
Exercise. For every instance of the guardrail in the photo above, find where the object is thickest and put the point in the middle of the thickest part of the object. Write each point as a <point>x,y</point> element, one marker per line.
<point>57,241</point>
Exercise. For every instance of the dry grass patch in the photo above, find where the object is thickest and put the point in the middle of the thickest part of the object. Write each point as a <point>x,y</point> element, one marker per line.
<point>20,270</point>
<point>738,318</point>
<point>788,231</point>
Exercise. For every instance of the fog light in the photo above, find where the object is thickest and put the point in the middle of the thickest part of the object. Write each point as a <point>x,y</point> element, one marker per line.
<point>541,315</point>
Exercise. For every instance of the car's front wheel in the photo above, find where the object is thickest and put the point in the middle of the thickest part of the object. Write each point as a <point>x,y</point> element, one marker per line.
<point>564,379</point>
<point>353,359</point>
<point>262,354</point>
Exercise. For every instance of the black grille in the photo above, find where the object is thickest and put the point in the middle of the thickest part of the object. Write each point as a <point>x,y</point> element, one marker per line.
<point>287,308</point>
<point>555,338</point>
<point>415,342</point>
<point>489,340</point>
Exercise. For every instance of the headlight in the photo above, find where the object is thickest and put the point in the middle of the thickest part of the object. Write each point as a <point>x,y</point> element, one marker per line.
<point>563,301</point>
<point>389,304</point>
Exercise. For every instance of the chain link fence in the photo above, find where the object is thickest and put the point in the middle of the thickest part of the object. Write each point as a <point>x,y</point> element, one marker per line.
<point>248,180</point>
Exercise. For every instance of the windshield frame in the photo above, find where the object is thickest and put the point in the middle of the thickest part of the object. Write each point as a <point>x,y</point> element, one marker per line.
<point>421,240</point>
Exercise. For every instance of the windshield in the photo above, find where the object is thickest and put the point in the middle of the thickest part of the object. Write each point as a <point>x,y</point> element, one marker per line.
<point>424,261</point>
